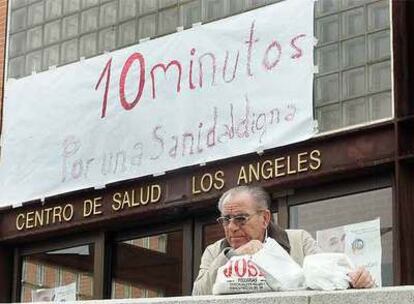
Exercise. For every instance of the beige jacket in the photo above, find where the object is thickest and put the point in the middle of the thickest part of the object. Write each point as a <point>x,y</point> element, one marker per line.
<point>301,244</point>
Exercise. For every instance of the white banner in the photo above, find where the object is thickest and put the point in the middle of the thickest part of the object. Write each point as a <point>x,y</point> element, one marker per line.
<point>361,242</point>
<point>231,87</point>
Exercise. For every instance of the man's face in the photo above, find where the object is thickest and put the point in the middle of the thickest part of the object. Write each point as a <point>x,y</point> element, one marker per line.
<point>255,226</point>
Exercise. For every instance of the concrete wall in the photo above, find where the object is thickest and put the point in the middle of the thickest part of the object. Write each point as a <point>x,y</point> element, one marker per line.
<point>387,295</point>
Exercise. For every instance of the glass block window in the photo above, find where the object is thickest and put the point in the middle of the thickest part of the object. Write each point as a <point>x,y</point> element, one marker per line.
<point>46,33</point>
<point>353,85</point>
<point>353,54</point>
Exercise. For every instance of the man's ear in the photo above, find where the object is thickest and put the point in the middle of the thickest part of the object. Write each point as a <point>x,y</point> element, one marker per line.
<point>267,216</point>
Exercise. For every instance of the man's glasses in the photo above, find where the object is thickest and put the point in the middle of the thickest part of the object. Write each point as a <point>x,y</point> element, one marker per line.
<point>239,219</point>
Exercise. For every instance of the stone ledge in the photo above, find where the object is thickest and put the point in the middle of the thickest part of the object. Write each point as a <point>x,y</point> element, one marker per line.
<point>386,295</point>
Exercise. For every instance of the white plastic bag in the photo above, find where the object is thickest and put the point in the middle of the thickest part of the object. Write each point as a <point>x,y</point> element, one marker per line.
<point>327,271</point>
<point>281,271</point>
<point>240,275</point>
<point>271,268</point>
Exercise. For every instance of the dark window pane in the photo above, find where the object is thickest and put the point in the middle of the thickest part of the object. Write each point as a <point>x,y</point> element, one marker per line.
<point>351,209</point>
<point>56,268</point>
<point>212,233</point>
<point>148,266</point>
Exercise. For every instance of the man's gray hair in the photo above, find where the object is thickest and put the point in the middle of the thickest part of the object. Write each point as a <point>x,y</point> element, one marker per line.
<point>260,196</point>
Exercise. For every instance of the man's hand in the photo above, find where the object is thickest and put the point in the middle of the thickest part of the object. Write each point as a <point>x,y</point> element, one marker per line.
<point>361,278</point>
<point>251,247</point>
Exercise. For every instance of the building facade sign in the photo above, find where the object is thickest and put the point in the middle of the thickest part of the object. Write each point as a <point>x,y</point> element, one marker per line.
<point>215,91</point>
<point>112,203</point>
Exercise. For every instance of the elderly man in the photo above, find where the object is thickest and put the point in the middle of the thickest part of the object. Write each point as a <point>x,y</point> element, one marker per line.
<point>246,220</point>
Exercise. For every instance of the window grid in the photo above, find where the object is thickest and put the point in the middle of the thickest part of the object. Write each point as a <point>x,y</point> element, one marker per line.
<point>79,28</point>
<point>62,32</point>
<point>336,104</point>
